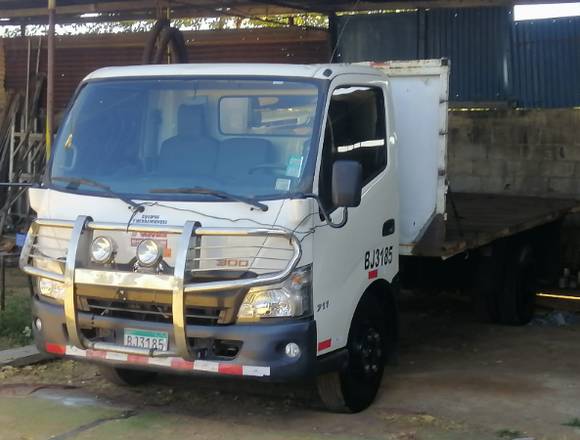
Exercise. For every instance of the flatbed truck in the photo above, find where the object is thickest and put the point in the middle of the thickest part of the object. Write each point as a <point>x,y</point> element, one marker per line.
<point>258,220</point>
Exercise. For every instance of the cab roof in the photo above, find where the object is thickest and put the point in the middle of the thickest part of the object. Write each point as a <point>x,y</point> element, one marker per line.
<point>317,71</point>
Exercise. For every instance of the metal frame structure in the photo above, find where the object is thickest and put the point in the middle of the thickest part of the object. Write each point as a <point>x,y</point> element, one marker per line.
<point>23,12</point>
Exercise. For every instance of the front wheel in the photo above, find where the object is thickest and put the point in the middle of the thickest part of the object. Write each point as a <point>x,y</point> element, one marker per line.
<point>355,387</point>
<point>125,376</point>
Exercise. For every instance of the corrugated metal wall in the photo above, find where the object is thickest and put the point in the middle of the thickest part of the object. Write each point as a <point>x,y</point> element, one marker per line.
<point>476,41</point>
<point>493,58</point>
<point>546,62</point>
<point>529,64</point>
<point>378,36</point>
<point>77,56</point>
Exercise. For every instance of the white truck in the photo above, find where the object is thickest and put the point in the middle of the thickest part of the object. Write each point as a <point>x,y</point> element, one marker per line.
<point>248,220</point>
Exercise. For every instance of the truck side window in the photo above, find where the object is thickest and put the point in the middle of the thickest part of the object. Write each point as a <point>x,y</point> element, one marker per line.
<point>355,130</point>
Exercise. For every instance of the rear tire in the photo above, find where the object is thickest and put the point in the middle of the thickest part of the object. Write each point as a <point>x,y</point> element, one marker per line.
<point>355,387</point>
<point>489,281</point>
<point>126,377</point>
<point>517,300</point>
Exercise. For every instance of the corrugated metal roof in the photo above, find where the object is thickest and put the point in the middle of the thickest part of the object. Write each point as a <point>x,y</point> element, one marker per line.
<point>546,60</point>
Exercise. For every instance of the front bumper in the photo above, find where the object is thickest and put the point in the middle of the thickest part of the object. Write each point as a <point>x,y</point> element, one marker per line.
<point>261,353</point>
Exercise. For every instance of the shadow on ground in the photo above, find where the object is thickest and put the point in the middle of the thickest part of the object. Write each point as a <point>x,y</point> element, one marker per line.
<point>455,379</point>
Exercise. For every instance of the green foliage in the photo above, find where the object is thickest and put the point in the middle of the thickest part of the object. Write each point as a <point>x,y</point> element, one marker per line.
<point>509,434</point>
<point>15,322</point>
<point>574,423</point>
<point>186,24</point>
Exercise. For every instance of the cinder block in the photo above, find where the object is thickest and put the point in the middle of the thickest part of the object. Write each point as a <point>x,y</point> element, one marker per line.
<point>525,168</point>
<point>538,152</point>
<point>504,151</point>
<point>481,168</point>
<point>563,187</point>
<point>498,185</point>
<point>465,183</point>
<point>557,168</point>
<point>531,185</point>
<point>569,151</point>
<point>528,152</point>
<point>469,151</point>
<point>459,165</point>
<point>555,135</point>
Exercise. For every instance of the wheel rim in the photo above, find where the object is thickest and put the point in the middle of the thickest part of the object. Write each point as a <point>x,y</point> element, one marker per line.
<point>367,353</point>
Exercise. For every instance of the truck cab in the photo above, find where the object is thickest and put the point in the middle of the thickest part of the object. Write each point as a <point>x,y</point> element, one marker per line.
<point>224,219</point>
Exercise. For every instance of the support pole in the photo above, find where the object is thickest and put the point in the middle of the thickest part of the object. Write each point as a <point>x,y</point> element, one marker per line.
<point>333,31</point>
<point>50,77</point>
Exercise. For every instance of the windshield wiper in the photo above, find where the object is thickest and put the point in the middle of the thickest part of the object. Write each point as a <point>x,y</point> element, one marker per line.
<point>78,181</point>
<point>211,192</point>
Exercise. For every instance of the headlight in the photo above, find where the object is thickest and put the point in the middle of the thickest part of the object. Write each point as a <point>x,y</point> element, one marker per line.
<point>148,253</point>
<point>46,287</point>
<point>51,289</point>
<point>289,299</point>
<point>102,250</point>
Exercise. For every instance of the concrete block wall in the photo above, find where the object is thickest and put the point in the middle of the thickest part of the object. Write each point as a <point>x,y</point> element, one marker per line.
<point>520,152</point>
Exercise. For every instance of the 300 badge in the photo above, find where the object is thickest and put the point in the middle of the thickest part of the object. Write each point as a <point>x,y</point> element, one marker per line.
<point>378,257</point>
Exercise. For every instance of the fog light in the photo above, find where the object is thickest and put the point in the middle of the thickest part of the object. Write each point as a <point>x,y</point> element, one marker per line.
<point>149,253</point>
<point>38,324</point>
<point>102,250</point>
<point>292,350</point>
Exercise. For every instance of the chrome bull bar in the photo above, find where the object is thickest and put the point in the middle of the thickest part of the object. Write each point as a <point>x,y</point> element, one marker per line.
<point>76,272</point>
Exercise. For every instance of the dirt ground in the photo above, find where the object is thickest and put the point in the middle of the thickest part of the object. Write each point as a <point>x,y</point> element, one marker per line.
<point>455,379</point>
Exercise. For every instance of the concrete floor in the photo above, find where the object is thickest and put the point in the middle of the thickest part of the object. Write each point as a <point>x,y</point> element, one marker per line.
<point>456,379</point>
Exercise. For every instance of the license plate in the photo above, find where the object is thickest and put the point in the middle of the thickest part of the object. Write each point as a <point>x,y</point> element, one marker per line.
<point>146,339</point>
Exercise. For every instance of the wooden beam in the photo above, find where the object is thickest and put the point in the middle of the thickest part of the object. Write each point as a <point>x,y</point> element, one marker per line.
<point>192,38</point>
<point>191,7</point>
<point>204,8</point>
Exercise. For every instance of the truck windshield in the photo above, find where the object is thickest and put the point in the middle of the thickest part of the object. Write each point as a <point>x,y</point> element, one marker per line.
<point>246,137</point>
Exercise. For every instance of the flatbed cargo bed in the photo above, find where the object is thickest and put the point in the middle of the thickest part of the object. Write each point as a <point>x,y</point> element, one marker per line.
<point>474,220</point>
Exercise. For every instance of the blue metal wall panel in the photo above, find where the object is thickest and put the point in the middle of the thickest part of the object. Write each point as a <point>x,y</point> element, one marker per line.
<point>476,41</point>
<point>493,58</point>
<point>377,37</point>
<point>546,60</point>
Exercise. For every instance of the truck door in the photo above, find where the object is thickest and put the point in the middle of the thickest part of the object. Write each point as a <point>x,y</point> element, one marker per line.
<point>349,259</point>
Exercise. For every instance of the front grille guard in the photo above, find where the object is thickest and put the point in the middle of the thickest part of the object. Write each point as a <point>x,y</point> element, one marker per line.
<point>78,256</point>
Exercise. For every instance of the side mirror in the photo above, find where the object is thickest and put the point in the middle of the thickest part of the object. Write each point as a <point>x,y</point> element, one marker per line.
<point>346,183</point>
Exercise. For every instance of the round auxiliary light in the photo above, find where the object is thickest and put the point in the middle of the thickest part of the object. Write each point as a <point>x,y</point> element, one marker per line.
<point>148,253</point>
<point>102,250</point>
<point>292,350</point>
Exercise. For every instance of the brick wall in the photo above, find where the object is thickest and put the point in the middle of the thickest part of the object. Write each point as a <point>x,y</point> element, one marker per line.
<point>525,152</point>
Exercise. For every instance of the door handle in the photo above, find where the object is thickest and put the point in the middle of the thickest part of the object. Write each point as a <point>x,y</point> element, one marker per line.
<point>389,227</point>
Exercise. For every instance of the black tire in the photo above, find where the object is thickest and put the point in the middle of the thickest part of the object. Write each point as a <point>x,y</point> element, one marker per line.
<point>355,387</point>
<point>179,47</point>
<point>126,377</point>
<point>489,277</point>
<point>151,40</point>
<point>172,39</point>
<point>517,299</point>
